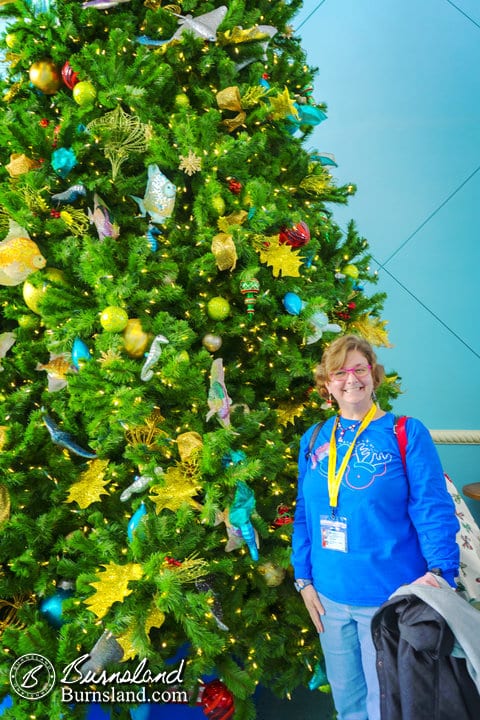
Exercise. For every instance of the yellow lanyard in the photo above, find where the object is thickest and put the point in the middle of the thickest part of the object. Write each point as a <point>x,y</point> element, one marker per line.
<point>334,479</point>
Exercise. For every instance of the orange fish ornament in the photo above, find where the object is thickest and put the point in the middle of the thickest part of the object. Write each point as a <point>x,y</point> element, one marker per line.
<point>19,256</point>
<point>57,368</point>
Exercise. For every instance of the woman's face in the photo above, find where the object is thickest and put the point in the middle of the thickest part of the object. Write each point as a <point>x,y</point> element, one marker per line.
<point>352,389</point>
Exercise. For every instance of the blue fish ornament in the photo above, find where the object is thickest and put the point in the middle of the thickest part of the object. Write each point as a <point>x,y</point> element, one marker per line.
<point>70,194</point>
<point>65,440</point>
<point>159,198</point>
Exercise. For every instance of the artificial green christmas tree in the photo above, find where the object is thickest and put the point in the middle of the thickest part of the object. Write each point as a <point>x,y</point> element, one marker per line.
<point>169,272</point>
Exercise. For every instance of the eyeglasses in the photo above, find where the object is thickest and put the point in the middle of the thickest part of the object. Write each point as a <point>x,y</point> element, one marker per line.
<point>360,371</point>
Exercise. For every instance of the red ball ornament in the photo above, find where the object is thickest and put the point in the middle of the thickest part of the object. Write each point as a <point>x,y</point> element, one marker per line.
<point>217,701</point>
<point>235,186</point>
<point>296,236</point>
<point>284,516</point>
<point>44,122</point>
<point>69,77</point>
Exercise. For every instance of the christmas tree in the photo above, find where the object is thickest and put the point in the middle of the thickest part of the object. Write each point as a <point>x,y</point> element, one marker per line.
<point>170,270</point>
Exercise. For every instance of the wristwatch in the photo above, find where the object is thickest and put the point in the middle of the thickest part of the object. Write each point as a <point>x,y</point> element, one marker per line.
<point>301,584</point>
<point>436,571</point>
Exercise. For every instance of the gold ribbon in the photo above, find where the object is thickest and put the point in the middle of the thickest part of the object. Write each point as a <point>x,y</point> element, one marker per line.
<point>229,99</point>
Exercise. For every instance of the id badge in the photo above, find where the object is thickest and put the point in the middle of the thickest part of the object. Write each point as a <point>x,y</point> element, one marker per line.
<point>334,533</point>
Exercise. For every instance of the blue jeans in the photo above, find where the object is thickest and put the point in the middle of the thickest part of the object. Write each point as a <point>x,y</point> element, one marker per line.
<point>350,660</point>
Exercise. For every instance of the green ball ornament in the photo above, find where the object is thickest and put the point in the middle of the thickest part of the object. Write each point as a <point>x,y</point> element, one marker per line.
<point>351,271</point>
<point>218,308</point>
<point>28,322</point>
<point>114,319</point>
<point>182,100</point>
<point>84,93</point>
<point>218,204</point>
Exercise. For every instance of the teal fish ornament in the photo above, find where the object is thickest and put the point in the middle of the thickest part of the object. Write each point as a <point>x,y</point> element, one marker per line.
<point>159,198</point>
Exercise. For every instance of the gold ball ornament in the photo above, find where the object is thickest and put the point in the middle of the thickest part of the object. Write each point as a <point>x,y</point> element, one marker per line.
<point>135,339</point>
<point>84,93</point>
<point>351,271</point>
<point>218,204</point>
<point>33,294</point>
<point>113,318</point>
<point>272,574</point>
<point>218,308</point>
<point>45,76</point>
<point>212,342</point>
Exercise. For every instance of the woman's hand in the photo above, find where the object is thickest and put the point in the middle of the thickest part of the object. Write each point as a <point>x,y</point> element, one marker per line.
<point>313,605</point>
<point>428,579</point>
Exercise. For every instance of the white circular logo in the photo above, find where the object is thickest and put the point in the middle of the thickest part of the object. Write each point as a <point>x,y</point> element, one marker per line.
<point>32,676</point>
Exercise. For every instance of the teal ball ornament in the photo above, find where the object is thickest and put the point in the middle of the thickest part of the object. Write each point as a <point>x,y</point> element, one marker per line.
<point>292,303</point>
<point>80,353</point>
<point>52,607</point>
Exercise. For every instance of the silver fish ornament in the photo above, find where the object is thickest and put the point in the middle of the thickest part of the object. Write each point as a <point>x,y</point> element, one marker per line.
<point>102,219</point>
<point>7,339</point>
<point>140,482</point>
<point>204,26</point>
<point>153,357</point>
<point>70,194</point>
<point>159,198</point>
<point>102,4</point>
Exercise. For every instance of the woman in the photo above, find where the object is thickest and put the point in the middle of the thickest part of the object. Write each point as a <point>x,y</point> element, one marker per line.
<point>362,527</point>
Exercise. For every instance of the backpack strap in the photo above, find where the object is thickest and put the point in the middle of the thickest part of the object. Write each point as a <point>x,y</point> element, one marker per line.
<point>400,430</point>
<point>313,438</point>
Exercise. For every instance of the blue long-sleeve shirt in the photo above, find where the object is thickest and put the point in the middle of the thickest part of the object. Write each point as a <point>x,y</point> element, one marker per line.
<point>397,527</point>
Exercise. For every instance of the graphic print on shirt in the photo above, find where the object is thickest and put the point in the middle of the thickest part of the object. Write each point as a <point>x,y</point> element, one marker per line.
<point>365,466</point>
<point>320,453</point>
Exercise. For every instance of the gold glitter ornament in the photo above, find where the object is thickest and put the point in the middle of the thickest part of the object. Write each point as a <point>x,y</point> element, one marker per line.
<point>112,586</point>
<point>9,613</point>
<point>282,258</point>
<point>282,106</point>
<point>155,618</point>
<point>178,489</point>
<point>20,164</point>
<point>146,434</point>
<point>288,412</point>
<point>123,134</point>
<point>315,184</point>
<point>91,485</point>
<point>189,443</point>
<point>3,435</point>
<point>76,220</point>
<point>4,504</point>
<point>372,329</point>
<point>190,164</point>
<point>224,251</point>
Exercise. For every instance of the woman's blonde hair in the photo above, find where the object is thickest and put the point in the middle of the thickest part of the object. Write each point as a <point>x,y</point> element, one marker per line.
<point>333,358</point>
